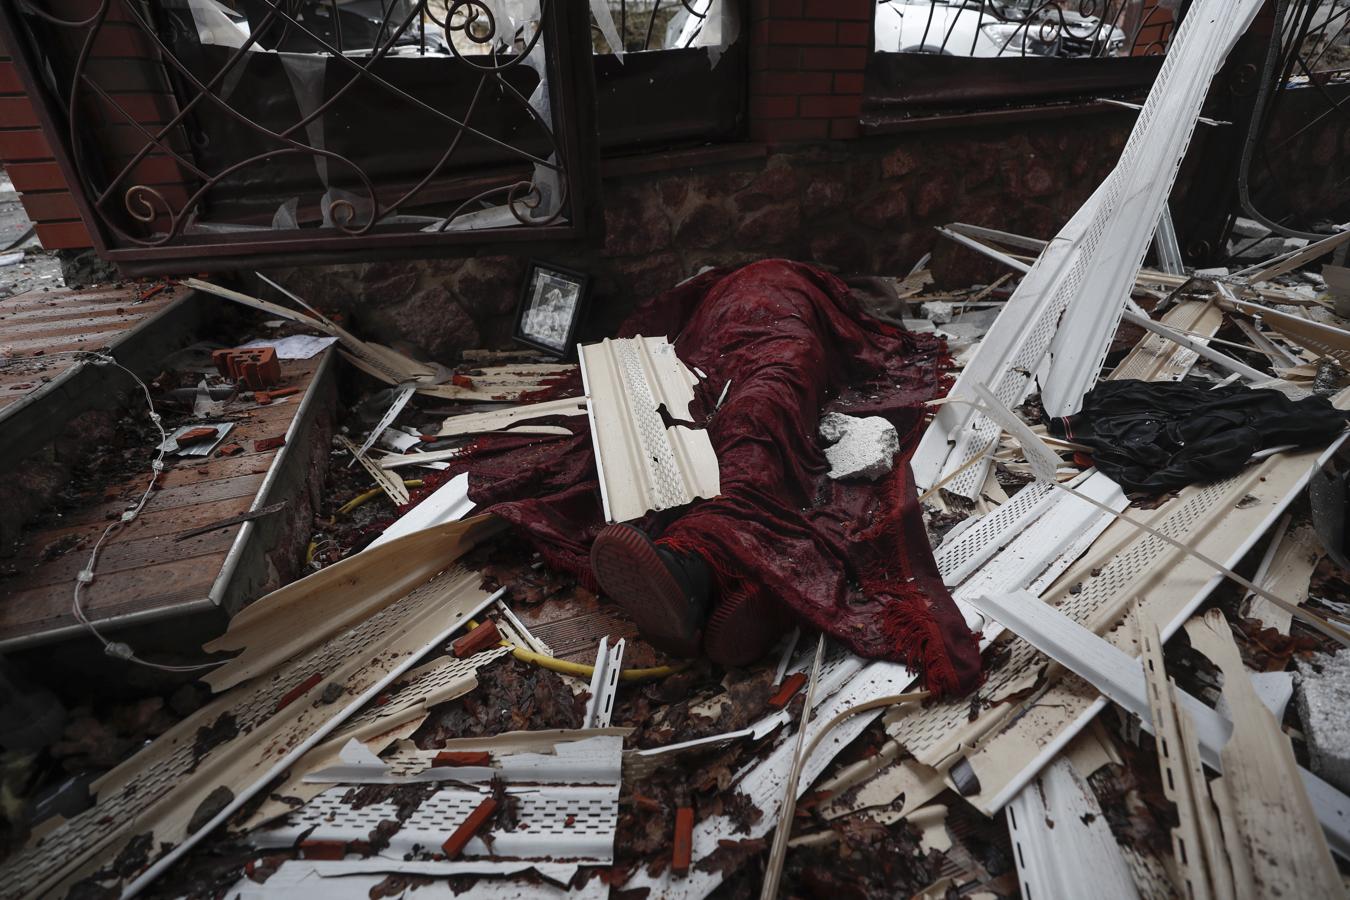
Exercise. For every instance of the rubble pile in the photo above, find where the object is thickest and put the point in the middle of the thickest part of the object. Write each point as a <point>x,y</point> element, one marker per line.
<point>1083,630</point>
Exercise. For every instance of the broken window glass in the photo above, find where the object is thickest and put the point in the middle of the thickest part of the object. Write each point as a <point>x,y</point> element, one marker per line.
<point>668,71</point>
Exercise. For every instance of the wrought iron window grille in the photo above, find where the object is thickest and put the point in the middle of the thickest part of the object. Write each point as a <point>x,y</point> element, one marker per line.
<point>193,129</point>
<point>933,58</point>
<point>1064,29</point>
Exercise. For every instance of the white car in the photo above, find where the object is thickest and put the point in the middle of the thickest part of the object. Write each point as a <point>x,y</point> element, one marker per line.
<point>958,28</point>
<point>991,28</point>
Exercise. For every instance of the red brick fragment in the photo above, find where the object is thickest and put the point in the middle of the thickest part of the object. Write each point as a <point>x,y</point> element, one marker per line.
<point>262,445</point>
<point>481,638</point>
<point>266,397</point>
<point>196,436</point>
<point>684,840</point>
<point>463,758</point>
<point>256,367</point>
<point>327,850</point>
<point>230,450</point>
<point>298,691</point>
<point>787,690</point>
<point>455,844</point>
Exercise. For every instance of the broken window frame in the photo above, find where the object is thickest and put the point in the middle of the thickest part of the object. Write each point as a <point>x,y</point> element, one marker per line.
<point>902,88</point>
<point>651,98</point>
<point>74,143</point>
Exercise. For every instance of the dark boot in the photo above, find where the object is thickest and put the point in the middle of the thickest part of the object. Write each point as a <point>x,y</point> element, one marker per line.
<point>666,593</point>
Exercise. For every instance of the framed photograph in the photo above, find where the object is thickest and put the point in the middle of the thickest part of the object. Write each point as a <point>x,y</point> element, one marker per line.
<point>550,307</point>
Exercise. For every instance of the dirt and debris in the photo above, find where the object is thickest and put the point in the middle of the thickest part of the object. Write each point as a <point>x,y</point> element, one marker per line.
<point>398,886</point>
<point>868,860</point>
<point>863,853</point>
<point>222,729</point>
<point>512,696</point>
<point>210,807</point>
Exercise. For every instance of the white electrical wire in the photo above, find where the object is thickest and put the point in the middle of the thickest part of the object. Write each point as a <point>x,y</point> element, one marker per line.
<point>118,649</point>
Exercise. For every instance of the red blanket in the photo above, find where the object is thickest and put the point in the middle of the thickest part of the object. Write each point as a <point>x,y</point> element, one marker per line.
<point>849,558</point>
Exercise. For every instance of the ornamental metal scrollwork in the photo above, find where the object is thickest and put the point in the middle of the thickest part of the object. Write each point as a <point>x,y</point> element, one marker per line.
<point>1042,28</point>
<point>263,120</point>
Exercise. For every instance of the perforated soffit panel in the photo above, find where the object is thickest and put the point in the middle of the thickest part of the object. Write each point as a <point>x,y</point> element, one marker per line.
<point>1067,307</point>
<point>642,464</point>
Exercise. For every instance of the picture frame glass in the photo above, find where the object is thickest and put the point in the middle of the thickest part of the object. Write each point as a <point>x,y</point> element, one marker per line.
<point>552,306</point>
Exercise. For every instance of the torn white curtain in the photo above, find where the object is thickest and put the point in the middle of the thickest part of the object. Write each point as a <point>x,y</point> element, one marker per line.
<point>1060,319</point>
<point>604,20</point>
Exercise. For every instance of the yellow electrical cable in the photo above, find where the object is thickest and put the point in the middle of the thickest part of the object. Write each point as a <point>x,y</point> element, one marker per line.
<point>581,670</point>
<point>371,494</point>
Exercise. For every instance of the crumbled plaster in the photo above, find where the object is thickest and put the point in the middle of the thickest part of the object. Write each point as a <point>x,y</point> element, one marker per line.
<point>1323,701</point>
<point>860,448</point>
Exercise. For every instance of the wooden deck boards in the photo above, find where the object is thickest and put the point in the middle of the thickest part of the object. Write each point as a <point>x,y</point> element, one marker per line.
<point>141,567</point>
<point>40,331</point>
<point>572,628</point>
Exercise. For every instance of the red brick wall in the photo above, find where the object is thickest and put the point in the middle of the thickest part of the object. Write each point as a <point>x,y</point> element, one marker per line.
<point>1155,32</point>
<point>125,64</point>
<point>28,160</point>
<point>806,68</point>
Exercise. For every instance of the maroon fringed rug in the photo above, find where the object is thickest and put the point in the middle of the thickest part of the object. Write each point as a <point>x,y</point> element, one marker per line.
<point>849,558</point>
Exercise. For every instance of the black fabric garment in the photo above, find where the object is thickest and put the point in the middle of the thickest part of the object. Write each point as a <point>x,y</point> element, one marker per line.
<point>1153,437</point>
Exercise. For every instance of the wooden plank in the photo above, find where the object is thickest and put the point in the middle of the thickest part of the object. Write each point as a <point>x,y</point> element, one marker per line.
<point>218,468</point>
<point>135,590</point>
<point>74,308</point>
<point>151,522</point>
<point>86,338</point>
<point>22,369</point>
<point>29,321</point>
<point>21,384</point>
<point>120,553</point>
<point>18,333</point>
<point>39,298</point>
<point>176,497</point>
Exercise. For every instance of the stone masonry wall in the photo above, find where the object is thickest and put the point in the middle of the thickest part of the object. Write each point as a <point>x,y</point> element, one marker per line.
<point>864,206</point>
